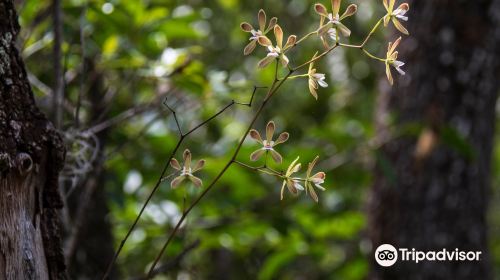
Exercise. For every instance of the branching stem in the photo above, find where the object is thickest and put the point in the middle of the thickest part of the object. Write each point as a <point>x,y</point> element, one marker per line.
<point>162,174</point>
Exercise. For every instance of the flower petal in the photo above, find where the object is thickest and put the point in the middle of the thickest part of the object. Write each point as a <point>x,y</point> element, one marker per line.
<point>319,187</point>
<point>262,19</point>
<point>321,10</point>
<point>264,41</point>
<point>405,7</point>
<point>391,5</point>
<point>177,181</point>
<point>270,127</point>
<point>296,168</point>
<point>257,154</point>
<point>276,156</point>
<point>282,138</point>
<point>292,39</point>
<point>399,26</point>
<point>291,187</point>
<point>312,88</point>
<point>298,186</point>
<point>344,30</point>
<point>351,10</point>
<point>255,135</point>
<point>336,7</point>
<point>187,158</point>
<point>250,47</point>
<point>282,189</point>
<point>392,47</point>
<point>322,83</point>
<point>196,181</point>
<point>291,166</point>
<point>311,166</point>
<point>324,28</point>
<point>284,60</point>
<point>386,20</point>
<point>313,194</point>
<point>325,43</point>
<point>400,71</point>
<point>175,164</point>
<point>199,165</point>
<point>278,33</point>
<point>266,61</point>
<point>245,26</point>
<point>272,24</point>
<point>388,73</point>
<point>318,178</point>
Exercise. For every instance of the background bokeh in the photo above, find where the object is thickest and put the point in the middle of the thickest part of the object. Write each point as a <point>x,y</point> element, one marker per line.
<point>122,58</point>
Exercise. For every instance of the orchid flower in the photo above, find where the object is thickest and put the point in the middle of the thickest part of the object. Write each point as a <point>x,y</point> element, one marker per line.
<point>186,170</point>
<point>315,79</point>
<point>330,23</point>
<point>396,15</point>
<point>268,144</point>
<point>278,51</point>
<point>292,183</point>
<point>256,34</point>
<point>314,181</point>
<point>391,60</point>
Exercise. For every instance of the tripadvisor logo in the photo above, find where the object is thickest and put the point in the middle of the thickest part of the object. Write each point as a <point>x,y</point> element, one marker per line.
<point>387,255</point>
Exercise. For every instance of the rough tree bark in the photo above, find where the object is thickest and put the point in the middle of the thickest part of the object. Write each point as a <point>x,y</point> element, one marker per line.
<point>31,155</point>
<point>431,189</point>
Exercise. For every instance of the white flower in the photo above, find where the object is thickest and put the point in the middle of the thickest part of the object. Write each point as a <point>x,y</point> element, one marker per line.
<point>316,180</point>
<point>257,33</point>
<point>268,144</point>
<point>186,170</point>
<point>292,183</point>
<point>333,21</point>
<point>395,15</point>
<point>273,51</point>
<point>279,50</point>
<point>316,80</point>
<point>400,13</point>
<point>391,60</point>
<point>332,32</point>
<point>396,64</point>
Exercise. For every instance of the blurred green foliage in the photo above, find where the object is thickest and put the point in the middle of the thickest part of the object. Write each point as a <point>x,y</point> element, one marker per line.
<point>246,232</point>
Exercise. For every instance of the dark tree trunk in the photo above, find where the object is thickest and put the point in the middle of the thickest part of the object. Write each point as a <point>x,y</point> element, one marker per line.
<point>31,156</point>
<point>91,242</point>
<point>432,184</point>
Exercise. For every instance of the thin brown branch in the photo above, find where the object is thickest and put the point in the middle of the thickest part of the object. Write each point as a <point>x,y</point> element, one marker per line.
<point>175,262</point>
<point>157,185</point>
<point>272,90</point>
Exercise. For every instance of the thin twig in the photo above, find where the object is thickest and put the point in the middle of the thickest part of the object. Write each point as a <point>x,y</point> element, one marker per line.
<point>159,181</point>
<point>272,90</point>
<point>175,261</point>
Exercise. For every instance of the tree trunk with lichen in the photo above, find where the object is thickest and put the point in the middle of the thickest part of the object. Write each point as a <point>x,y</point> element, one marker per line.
<point>432,183</point>
<point>31,155</point>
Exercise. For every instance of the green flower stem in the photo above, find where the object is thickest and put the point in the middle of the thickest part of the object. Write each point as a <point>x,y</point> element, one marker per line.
<point>299,76</point>
<point>372,31</point>
<point>372,56</point>
<point>367,38</point>
<point>315,58</point>
<point>305,37</point>
<point>263,169</point>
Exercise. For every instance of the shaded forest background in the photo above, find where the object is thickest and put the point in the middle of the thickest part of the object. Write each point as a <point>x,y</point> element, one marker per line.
<point>119,60</point>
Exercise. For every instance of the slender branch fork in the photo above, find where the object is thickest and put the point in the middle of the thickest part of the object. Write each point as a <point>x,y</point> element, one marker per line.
<point>182,137</point>
<point>275,86</point>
